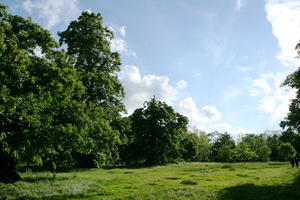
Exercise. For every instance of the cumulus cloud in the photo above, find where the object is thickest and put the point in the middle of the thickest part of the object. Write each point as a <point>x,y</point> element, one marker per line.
<point>181,84</point>
<point>261,86</point>
<point>118,43</point>
<point>53,12</point>
<point>142,88</point>
<point>284,17</point>
<point>118,29</point>
<point>273,99</point>
<point>205,114</point>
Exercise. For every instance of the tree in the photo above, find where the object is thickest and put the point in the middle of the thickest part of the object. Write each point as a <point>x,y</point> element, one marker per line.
<point>292,120</point>
<point>291,137</point>
<point>257,144</point>
<point>243,152</point>
<point>190,147</point>
<point>40,98</point>
<point>286,151</point>
<point>204,147</point>
<point>88,43</point>
<point>273,143</point>
<point>157,131</point>
<point>222,148</point>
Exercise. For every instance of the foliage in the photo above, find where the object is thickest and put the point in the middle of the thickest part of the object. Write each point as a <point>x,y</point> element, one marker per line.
<point>204,152</point>
<point>156,134</point>
<point>39,95</point>
<point>286,151</point>
<point>190,147</point>
<point>88,42</point>
<point>243,152</point>
<point>222,148</point>
<point>257,144</point>
<point>292,120</point>
<point>273,143</point>
<point>55,106</point>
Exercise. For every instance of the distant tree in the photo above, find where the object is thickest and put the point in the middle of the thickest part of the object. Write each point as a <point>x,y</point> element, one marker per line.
<point>204,152</point>
<point>222,148</point>
<point>190,147</point>
<point>257,144</point>
<point>157,132</point>
<point>286,151</point>
<point>243,152</point>
<point>273,143</point>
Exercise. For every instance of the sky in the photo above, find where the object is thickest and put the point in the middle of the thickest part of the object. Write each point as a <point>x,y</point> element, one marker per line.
<point>220,63</point>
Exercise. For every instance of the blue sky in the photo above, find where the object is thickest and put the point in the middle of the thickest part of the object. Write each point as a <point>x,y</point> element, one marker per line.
<point>220,63</point>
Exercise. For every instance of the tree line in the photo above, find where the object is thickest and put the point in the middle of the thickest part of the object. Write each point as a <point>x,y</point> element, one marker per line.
<point>61,104</point>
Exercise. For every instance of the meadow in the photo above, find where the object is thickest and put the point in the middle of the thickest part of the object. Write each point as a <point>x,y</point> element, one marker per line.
<point>175,181</point>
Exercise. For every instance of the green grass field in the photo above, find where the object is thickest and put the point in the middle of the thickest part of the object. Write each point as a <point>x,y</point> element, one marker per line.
<point>176,181</point>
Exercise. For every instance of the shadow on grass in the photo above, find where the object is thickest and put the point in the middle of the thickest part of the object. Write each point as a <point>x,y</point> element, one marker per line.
<point>24,168</point>
<point>251,191</point>
<point>43,178</point>
<point>60,197</point>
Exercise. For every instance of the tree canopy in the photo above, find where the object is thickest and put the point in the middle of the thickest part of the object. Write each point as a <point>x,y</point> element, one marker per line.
<point>157,131</point>
<point>57,105</point>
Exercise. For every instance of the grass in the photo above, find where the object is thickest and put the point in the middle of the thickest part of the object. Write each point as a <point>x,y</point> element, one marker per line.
<point>176,181</point>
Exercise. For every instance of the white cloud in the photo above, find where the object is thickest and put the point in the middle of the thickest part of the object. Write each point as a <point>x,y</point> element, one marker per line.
<point>204,115</point>
<point>223,127</point>
<point>239,130</point>
<point>181,84</point>
<point>53,12</point>
<point>118,43</point>
<point>273,99</point>
<point>139,89</point>
<point>118,29</point>
<point>284,17</point>
<point>261,86</point>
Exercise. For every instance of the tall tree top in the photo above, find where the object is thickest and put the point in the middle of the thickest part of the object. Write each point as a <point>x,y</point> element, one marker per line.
<point>88,41</point>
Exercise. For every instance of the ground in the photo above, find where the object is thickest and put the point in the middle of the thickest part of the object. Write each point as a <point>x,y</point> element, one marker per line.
<point>175,181</point>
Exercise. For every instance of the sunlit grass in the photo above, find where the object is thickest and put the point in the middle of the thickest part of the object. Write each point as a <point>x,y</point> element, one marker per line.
<point>175,181</point>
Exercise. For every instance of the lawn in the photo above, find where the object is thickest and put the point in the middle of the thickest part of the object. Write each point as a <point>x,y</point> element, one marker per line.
<point>175,181</point>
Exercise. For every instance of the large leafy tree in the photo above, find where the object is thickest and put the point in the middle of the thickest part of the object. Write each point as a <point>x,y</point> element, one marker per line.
<point>40,98</point>
<point>157,131</point>
<point>88,42</point>
<point>292,121</point>
<point>293,118</point>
